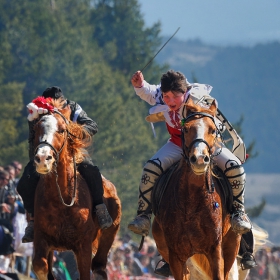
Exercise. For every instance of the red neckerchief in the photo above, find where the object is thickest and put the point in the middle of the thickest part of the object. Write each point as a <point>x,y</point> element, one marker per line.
<point>175,119</point>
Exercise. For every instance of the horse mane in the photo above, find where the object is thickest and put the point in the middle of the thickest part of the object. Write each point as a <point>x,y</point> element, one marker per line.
<point>79,139</point>
<point>192,107</point>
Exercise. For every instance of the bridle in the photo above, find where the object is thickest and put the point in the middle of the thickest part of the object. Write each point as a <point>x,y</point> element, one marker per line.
<point>186,150</point>
<point>57,153</point>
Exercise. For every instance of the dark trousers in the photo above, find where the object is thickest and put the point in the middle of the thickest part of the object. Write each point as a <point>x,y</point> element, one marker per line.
<point>27,186</point>
<point>29,180</point>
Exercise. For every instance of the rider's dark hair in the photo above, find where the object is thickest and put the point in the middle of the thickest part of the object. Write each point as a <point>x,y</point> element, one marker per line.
<point>53,92</point>
<point>174,81</point>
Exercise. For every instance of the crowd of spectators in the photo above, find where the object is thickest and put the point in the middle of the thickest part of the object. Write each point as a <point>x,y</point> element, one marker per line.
<point>10,205</point>
<point>126,262</point>
<point>268,268</point>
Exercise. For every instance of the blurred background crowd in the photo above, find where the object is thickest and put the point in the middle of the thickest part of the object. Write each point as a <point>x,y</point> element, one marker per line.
<point>125,261</point>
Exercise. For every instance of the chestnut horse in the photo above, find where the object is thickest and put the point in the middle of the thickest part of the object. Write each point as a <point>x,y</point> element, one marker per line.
<point>64,218</point>
<point>192,217</point>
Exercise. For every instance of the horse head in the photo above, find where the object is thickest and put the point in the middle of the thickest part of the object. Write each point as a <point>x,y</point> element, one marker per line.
<point>199,134</point>
<point>51,133</point>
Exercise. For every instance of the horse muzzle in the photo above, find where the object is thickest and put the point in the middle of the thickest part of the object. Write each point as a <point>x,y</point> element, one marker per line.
<point>44,160</point>
<point>199,163</point>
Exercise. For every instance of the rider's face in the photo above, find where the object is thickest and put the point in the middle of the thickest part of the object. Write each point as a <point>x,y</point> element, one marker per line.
<point>173,100</point>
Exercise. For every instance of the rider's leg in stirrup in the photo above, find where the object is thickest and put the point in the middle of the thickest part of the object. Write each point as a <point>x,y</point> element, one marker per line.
<point>26,188</point>
<point>92,176</point>
<point>240,222</point>
<point>142,222</point>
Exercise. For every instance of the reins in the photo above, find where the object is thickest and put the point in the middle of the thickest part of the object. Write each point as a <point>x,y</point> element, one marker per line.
<point>57,153</point>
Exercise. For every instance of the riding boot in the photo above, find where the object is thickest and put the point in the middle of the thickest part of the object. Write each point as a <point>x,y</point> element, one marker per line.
<point>240,222</point>
<point>93,179</point>
<point>164,270</point>
<point>142,223</point>
<point>26,186</point>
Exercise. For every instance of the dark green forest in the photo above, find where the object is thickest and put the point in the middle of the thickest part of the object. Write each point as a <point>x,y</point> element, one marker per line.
<point>90,49</point>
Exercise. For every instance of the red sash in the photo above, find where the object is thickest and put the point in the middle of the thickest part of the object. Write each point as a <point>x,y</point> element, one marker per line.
<point>175,135</point>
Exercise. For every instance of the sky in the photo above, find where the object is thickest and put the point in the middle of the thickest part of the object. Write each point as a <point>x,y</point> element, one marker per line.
<point>218,22</point>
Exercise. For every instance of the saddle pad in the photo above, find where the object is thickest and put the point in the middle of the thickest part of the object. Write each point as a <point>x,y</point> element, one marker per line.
<point>226,190</point>
<point>160,186</point>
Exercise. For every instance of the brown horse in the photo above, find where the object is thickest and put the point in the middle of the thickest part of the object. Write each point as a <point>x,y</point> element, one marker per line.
<point>192,217</point>
<point>64,219</point>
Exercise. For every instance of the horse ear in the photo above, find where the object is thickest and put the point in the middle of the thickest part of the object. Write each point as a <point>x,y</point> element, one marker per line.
<point>187,107</point>
<point>213,107</point>
<point>190,102</point>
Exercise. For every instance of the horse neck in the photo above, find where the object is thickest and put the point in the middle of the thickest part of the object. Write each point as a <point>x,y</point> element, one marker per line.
<point>191,180</point>
<point>64,169</point>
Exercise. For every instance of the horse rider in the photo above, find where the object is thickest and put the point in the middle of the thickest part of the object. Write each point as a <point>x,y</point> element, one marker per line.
<point>30,178</point>
<point>169,98</point>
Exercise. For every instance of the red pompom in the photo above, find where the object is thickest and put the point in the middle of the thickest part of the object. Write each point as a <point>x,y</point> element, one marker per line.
<point>42,102</point>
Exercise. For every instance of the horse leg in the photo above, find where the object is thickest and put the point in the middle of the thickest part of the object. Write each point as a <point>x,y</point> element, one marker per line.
<point>216,262</point>
<point>178,267</point>
<point>50,265</point>
<point>40,262</point>
<point>160,240</point>
<point>83,257</point>
<point>231,243</point>
<point>99,262</point>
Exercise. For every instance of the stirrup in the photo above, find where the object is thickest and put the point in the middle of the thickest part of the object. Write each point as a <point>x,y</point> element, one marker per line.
<point>248,261</point>
<point>164,270</point>
<point>29,233</point>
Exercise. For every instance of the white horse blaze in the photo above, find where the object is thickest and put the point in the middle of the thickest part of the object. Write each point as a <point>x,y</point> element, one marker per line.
<point>200,146</point>
<point>49,124</point>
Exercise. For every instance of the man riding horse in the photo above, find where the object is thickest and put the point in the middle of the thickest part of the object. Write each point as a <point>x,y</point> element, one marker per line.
<point>30,178</point>
<point>169,98</point>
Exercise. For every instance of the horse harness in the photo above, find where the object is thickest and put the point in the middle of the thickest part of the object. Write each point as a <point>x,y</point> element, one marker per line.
<point>57,153</point>
<point>186,150</point>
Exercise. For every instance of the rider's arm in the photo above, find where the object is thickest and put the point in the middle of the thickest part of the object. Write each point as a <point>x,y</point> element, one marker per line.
<point>148,93</point>
<point>80,116</point>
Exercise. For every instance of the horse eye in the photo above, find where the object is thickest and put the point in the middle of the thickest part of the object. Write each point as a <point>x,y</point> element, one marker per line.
<point>214,131</point>
<point>61,131</point>
<point>186,130</point>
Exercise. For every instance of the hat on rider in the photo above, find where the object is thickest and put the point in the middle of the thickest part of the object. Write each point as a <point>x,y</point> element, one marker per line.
<point>53,92</point>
